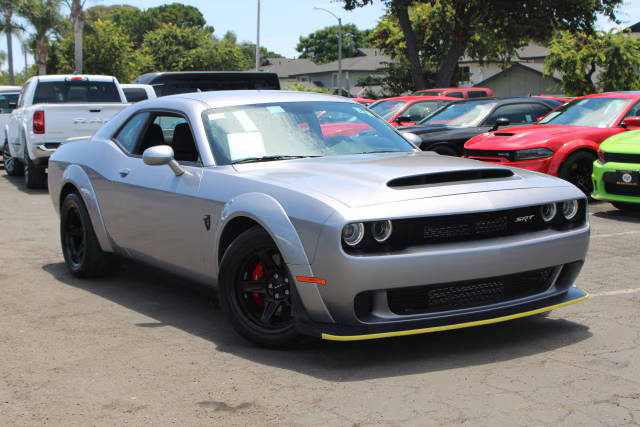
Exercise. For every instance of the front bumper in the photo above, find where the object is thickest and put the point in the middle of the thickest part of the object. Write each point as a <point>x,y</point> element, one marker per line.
<point>599,187</point>
<point>335,332</point>
<point>536,165</point>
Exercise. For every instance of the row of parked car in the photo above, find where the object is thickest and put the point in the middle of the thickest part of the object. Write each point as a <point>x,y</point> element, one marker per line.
<point>588,141</point>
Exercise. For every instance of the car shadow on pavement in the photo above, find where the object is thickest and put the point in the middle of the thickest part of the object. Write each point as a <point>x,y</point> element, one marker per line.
<point>191,307</point>
<point>18,183</point>
<point>618,215</point>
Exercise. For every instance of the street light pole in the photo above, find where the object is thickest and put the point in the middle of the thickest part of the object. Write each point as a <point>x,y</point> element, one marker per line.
<point>258,39</point>
<point>339,47</point>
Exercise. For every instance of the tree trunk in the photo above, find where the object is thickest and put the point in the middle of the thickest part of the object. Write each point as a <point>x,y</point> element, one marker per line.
<point>448,66</point>
<point>7,20</point>
<point>459,42</point>
<point>42,54</point>
<point>401,9</point>
<point>77,21</point>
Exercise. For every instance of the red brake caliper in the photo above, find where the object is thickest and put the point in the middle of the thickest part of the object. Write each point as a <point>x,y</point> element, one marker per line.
<point>257,274</point>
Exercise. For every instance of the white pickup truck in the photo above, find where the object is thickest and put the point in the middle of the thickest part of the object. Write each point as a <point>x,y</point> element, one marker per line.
<point>51,109</point>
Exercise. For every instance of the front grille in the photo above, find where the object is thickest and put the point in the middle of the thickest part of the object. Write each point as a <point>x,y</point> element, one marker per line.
<point>491,154</point>
<point>622,189</point>
<point>621,158</point>
<point>469,293</point>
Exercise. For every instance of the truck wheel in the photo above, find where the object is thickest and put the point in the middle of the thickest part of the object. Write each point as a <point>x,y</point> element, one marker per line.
<point>34,176</point>
<point>254,290</point>
<point>82,252</point>
<point>577,170</point>
<point>12,166</point>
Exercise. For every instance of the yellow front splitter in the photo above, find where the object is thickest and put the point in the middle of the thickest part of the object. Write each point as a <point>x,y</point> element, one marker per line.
<point>450,327</point>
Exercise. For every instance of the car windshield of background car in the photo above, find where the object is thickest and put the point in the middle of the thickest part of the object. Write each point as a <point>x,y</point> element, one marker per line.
<point>295,129</point>
<point>598,112</point>
<point>387,109</point>
<point>464,114</point>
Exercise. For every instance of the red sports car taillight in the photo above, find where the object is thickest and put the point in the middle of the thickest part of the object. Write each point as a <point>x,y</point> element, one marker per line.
<point>38,122</point>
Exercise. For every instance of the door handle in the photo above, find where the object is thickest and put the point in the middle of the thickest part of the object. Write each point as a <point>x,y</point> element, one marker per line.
<point>124,172</point>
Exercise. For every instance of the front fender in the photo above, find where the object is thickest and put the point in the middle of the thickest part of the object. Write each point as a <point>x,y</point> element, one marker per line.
<point>566,150</point>
<point>77,176</point>
<point>269,213</point>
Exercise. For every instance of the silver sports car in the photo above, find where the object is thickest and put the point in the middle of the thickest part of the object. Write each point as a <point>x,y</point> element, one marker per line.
<point>313,216</point>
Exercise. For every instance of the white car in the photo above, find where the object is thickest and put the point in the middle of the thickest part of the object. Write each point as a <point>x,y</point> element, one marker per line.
<point>8,101</point>
<point>138,92</point>
<point>52,109</point>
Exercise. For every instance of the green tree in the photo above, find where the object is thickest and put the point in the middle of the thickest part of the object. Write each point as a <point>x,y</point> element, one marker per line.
<point>44,17</point>
<point>8,26</point>
<point>107,50</point>
<point>578,56</point>
<point>178,14</point>
<point>322,46</point>
<point>494,26</point>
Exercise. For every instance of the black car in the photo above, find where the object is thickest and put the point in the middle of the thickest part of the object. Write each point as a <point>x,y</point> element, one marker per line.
<point>171,83</point>
<point>446,130</point>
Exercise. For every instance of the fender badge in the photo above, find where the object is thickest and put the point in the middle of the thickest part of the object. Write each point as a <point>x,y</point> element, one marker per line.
<point>207,222</point>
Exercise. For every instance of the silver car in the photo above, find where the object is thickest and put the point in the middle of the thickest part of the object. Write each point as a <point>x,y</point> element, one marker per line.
<point>313,216</point>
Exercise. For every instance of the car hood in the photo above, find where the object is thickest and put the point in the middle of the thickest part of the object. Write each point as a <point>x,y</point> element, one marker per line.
<point>624,143</point>
<point>530,136</point>
<point>362,180</point>
<point>441,133</point>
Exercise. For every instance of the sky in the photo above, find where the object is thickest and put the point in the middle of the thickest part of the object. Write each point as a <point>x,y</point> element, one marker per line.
<point>282,22</point>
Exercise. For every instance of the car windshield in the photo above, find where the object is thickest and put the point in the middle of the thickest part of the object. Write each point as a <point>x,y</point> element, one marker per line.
<point>387,109</point>
<point>278,131</point>
<point>462,114</point>
<point>598,112</point>
<point>72,91</point>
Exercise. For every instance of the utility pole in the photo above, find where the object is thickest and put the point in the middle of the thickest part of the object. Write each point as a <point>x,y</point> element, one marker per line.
<point>339,47</point>
<point>258,39</point>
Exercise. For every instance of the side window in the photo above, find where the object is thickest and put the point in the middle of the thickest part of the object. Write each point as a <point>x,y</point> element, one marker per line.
<point>130,132</point>
<point>633,111</point>
<point>516,113</point>
<point>135,94</point>
<point>420,110</point>
<point>455,94</point>
<point>539,110</point>
<point>173,130</point>
<point>22,93</point>
<point>477,94</point>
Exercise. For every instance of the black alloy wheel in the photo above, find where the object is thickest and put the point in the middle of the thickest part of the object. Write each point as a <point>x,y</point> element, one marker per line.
<point>255,290</point>
<point>80,247</point>
<point>12,166</point>
<point>577,170</point>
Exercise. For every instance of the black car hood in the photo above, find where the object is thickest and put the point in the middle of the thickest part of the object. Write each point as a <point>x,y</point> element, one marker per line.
<point>443,133</point>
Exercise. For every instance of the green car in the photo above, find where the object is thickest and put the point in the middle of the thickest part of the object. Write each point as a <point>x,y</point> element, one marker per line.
<point>616,173</point>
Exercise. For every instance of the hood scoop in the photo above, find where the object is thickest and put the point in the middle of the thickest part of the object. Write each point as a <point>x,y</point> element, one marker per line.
<point>503,134</point>
<point>449,177</point>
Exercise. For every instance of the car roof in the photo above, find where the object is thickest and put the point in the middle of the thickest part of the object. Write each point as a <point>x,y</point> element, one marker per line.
<point>508,100</point>
<point>227,98</point>
<point>64,77</point>
<point>466,89</point>
<point>627,95</point>
<point>419,98</point>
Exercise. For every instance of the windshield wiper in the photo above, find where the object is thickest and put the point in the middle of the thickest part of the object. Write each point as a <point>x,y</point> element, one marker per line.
<point>381,151</point>
<point>267,159</point>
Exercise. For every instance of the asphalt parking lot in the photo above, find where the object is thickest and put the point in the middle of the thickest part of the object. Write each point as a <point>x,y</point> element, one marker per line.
<point>143,348</point>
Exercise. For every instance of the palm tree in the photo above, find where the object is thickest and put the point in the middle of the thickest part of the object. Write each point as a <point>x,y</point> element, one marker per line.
<point>77,22</point>
<point>44,16</point>
<point>7,26</point>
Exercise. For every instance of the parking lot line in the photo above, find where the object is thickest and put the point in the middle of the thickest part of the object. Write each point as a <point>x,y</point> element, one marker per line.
<point>622,233</point>
<point>618,292</point>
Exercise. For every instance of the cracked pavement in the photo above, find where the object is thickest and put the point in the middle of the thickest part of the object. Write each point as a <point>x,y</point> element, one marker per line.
<point>143,348</point>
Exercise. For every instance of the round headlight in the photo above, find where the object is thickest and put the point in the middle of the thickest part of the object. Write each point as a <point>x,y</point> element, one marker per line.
<point>381,230</point>
<point>548,212</point>
<point>353,233</point>
<point>570,209</point>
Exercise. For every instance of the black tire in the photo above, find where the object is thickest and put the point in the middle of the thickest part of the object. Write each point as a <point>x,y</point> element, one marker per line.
<point>82,252</point>
<point>577,169</point>
<point>12,166</point>
<point>257,300</point>
<point>445,150</point>
<point>34,176</point>
<point>627,207</point>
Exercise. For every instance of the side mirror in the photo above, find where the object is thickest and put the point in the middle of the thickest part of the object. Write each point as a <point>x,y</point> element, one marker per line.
<point>412,138</point>
<point>401,119</point>
<point>631,122</point>
<point>502,121</point>
<point>159,155</point>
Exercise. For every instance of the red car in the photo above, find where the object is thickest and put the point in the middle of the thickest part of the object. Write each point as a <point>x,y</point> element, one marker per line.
<point>408,110</point>
<point>565,142</point>
<point>364,101</point>
<point>457,92</point>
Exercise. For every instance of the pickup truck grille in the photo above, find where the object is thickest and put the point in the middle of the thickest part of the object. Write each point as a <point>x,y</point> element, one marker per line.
<point>469,293</point>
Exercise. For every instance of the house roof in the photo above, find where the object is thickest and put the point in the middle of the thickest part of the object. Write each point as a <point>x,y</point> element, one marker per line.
<point>537,68</point>
<point>635,28</point>
<point>357,63</point>
<point>290,67</point>
<point>527,52</point>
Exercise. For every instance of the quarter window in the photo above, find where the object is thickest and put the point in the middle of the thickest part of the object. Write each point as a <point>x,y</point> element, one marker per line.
<point>477,94</point>
<point>130,133</point>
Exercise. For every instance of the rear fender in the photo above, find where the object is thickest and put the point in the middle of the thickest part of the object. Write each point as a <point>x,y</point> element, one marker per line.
<point>76,176</point>
<point>269,213</point>
<point>566,150</point>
